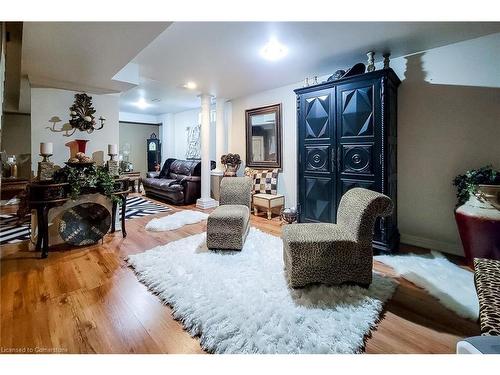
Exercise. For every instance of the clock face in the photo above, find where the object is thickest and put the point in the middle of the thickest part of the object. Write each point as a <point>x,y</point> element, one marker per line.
<point>152,146</point>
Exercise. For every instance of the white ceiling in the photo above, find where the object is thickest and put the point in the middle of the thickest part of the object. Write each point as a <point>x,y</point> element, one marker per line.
<point>221,57</point>
<point>172,99</point>
<point>83,56</point>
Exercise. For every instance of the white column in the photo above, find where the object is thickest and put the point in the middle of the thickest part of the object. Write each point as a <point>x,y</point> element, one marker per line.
<point>220,135</point>
<point>205,201</point>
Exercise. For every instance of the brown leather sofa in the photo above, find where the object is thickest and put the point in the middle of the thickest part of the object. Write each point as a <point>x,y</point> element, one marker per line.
<point>178,182</point>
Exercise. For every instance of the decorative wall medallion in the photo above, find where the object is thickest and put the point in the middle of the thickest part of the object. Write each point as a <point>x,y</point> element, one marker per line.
<point>357,159</point>
<point>193,142</point>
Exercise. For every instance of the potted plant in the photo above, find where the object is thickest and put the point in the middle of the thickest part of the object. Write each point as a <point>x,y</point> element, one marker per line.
<point>478,212</point>
<point>231,163</point>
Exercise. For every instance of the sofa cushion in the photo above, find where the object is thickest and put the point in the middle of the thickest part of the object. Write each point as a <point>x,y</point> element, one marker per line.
<point>157,183</point>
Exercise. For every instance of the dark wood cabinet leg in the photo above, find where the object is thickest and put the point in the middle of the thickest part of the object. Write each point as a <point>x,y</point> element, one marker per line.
<point>114,210</point>
<point>45,242</point>
<point>39,220</point>
<point>124,208</point>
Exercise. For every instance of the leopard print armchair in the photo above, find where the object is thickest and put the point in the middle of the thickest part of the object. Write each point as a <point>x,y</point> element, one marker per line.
<point>336,253</point>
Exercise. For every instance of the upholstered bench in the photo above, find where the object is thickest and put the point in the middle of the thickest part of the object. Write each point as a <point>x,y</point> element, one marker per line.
<point>228,224</point>
<point>228,227</point>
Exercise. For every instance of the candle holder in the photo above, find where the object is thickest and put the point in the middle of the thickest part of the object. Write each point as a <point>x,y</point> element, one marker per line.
<point>45,168</point>
<point>113,165</point>
<point>46,158</point>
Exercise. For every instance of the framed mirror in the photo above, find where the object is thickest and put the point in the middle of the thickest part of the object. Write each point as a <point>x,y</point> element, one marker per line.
<point>263,137</point>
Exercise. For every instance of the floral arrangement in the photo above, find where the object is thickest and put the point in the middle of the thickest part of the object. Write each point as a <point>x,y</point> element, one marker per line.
<point>82,114</point>
<point>231,159</point>
<point>467,183</point>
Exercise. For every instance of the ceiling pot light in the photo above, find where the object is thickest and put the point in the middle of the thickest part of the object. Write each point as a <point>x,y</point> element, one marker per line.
<point>273,50</point>
<point>190,85</point>
<point>142,104</point>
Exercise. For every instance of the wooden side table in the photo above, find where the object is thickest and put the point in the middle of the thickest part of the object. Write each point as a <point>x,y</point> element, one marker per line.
<point>133,176</point>
<point>268,203</point>
<point>10,187</point>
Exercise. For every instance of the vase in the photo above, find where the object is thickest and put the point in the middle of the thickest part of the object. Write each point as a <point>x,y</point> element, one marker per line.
<point>478,222</point>
<point>77,145</point>
<point>231,169</point>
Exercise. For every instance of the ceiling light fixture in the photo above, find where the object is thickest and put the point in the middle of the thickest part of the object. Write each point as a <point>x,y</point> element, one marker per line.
<point>273,50</point>
<point>142,104</point>
<point>190,85</point>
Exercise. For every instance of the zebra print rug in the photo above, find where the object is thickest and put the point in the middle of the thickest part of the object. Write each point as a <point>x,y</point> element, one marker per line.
<point>10,232</point>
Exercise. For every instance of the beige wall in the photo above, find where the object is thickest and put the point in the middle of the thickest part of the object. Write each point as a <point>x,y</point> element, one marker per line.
<point>448,122</point>
<point>16,133</point>
<point>136,135</point>
<point>46,103</point>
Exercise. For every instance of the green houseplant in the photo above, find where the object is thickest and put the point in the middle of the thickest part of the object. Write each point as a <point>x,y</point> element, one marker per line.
<point>88,179</point>
<point>468,182</point>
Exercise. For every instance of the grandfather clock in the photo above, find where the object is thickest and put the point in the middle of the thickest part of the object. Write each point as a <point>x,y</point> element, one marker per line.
<point>154,152</point>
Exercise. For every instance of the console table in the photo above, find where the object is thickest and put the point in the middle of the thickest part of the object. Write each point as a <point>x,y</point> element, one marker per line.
<point>42,196</point>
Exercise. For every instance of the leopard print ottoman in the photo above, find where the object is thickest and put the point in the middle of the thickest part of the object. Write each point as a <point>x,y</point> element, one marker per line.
<point>487,279</point>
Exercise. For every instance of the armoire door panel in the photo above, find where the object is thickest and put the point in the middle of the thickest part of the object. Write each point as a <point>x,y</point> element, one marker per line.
<point>317,116</point>
<point>357,111</point>
<point>317,199</point>
<point>318,158</point>
<point>348,184</point>
<point>357,158</point>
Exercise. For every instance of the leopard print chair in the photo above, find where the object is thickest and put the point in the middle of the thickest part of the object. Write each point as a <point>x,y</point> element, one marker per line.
<point>228,224</point>
<point>336,253</point>
<point>487,280</point>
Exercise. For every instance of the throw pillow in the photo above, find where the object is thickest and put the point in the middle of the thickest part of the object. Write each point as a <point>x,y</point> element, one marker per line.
<point>265,181</point>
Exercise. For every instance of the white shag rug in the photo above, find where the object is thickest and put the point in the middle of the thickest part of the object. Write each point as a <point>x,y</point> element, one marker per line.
<point>451,285</point>
<point>239,302</point>
<point>176,220</point>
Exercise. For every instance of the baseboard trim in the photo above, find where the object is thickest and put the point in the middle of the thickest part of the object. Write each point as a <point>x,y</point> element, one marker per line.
<point>427,243</point>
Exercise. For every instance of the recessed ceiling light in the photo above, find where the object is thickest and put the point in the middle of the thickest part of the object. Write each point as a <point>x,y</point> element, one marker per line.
<point>142,104</point>
<point>190,85</point>
<point>273,50</point>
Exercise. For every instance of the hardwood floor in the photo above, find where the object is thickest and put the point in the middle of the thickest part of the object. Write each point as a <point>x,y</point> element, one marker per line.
<point>87,300</point>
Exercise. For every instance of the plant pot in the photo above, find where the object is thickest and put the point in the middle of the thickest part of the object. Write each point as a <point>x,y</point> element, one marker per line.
<point>478,222</point>
<point>231,169</point>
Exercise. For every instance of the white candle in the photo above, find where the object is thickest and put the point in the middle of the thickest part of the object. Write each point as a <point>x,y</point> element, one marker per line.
<point>46,148</point>
<point>112,149</point>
